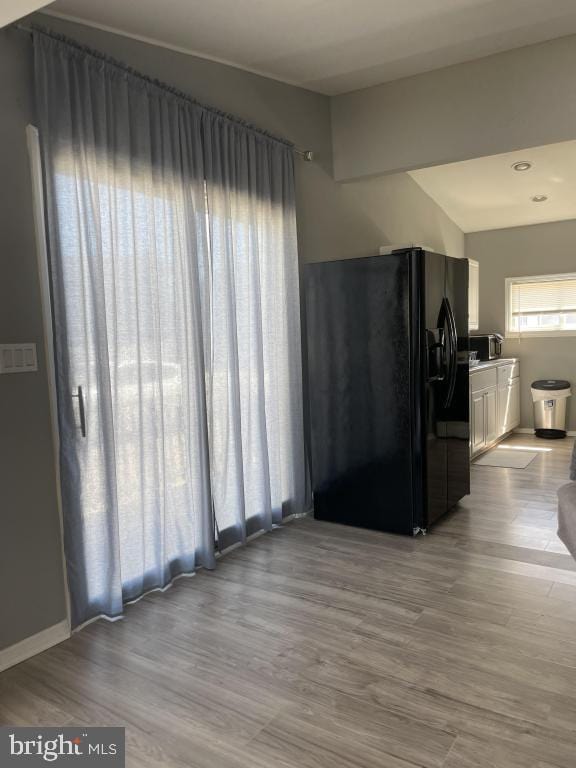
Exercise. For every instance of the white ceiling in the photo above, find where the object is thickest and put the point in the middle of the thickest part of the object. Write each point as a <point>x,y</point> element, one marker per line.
<point>333,46</point>
<point>486,193</point>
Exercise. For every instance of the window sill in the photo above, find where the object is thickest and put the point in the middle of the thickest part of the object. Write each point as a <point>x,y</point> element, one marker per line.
<point>539,334</point>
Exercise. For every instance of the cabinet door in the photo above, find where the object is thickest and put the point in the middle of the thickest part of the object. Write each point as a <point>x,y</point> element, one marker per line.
<point>490,415</point>
<point>503,409</point>
<point>508,406</point>
<point>513,419</point>
<point>477,422</point>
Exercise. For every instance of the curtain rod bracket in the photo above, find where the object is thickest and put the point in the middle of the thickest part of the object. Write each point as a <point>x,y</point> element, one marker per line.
<point>306,154</point>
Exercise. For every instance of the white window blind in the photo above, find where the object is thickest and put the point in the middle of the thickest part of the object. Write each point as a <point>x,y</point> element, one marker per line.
<point>541,305</point>
<point>473,294</point>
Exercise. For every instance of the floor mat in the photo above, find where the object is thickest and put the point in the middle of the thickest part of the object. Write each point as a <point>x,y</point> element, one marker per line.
<point>506,457</point>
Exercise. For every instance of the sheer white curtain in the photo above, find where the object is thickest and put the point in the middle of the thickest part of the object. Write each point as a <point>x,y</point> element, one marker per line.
<point>173,258</point>
<point>254,368</point>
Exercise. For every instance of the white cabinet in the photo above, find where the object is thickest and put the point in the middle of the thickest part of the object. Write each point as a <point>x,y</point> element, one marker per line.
<point>508,397</point>
<point>513,405</point>
<point>503,398</point>
<point>508,406</point>
<point>483,419</point>
<point>494,404</point>
<point>491,415</point>
<point>477,422</point>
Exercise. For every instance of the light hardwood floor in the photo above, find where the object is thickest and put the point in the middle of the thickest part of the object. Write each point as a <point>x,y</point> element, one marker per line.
<point>320,646</point>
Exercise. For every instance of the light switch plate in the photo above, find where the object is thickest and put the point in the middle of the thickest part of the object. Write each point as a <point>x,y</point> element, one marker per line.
<point>18,358</point>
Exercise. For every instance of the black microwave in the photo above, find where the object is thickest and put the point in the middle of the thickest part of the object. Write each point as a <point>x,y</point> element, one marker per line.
<point>488,346</point>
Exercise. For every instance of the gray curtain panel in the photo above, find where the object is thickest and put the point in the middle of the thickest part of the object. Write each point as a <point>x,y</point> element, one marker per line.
<point>173,257</point>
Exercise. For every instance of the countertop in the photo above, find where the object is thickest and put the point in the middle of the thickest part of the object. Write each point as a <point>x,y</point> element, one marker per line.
<point>484,365</point>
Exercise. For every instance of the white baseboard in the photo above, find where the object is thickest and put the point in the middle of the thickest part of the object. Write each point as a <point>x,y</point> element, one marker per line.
<point>530,431</point>
<point>35,644</point>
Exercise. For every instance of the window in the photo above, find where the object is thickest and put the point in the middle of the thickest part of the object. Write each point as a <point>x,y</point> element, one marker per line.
<point>473,294</point>
<point>542,305</point>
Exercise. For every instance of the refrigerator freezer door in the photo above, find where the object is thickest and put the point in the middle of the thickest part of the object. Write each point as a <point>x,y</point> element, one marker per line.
<point>361,392</point>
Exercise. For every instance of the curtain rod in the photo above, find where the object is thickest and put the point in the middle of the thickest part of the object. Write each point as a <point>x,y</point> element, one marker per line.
<point>306,154</point>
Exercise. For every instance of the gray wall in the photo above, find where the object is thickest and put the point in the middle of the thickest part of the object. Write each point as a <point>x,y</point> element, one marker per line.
<point>512,100</point>
<point>31,577</point>
<point>535,250</point>
<point>398,211</point>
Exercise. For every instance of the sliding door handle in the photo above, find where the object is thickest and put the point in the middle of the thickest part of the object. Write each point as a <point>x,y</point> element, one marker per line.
<point>80,395</point>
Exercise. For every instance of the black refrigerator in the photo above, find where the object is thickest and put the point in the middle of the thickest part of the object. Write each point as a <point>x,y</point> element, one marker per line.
<point>387,380</point>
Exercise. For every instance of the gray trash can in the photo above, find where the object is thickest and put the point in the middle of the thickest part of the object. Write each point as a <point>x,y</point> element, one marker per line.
<point>550,397</point>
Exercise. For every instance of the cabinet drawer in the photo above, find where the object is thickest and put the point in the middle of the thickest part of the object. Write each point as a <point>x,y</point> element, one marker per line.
<point>482,379</point>
<point>508,372</point>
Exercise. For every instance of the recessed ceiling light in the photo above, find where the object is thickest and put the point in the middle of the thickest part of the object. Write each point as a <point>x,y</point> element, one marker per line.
<point>539,198</point>
<point>522,165</point>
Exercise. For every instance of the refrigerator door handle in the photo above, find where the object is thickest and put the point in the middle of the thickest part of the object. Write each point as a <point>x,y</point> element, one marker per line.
<point>80,395</point>
<point>453,352</point>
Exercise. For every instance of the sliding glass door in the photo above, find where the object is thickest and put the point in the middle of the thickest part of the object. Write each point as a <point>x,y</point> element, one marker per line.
<point>131,382</point>
<point>173,258</point>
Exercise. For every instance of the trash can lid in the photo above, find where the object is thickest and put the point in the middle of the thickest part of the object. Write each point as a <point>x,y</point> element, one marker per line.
<point>551,384</point>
